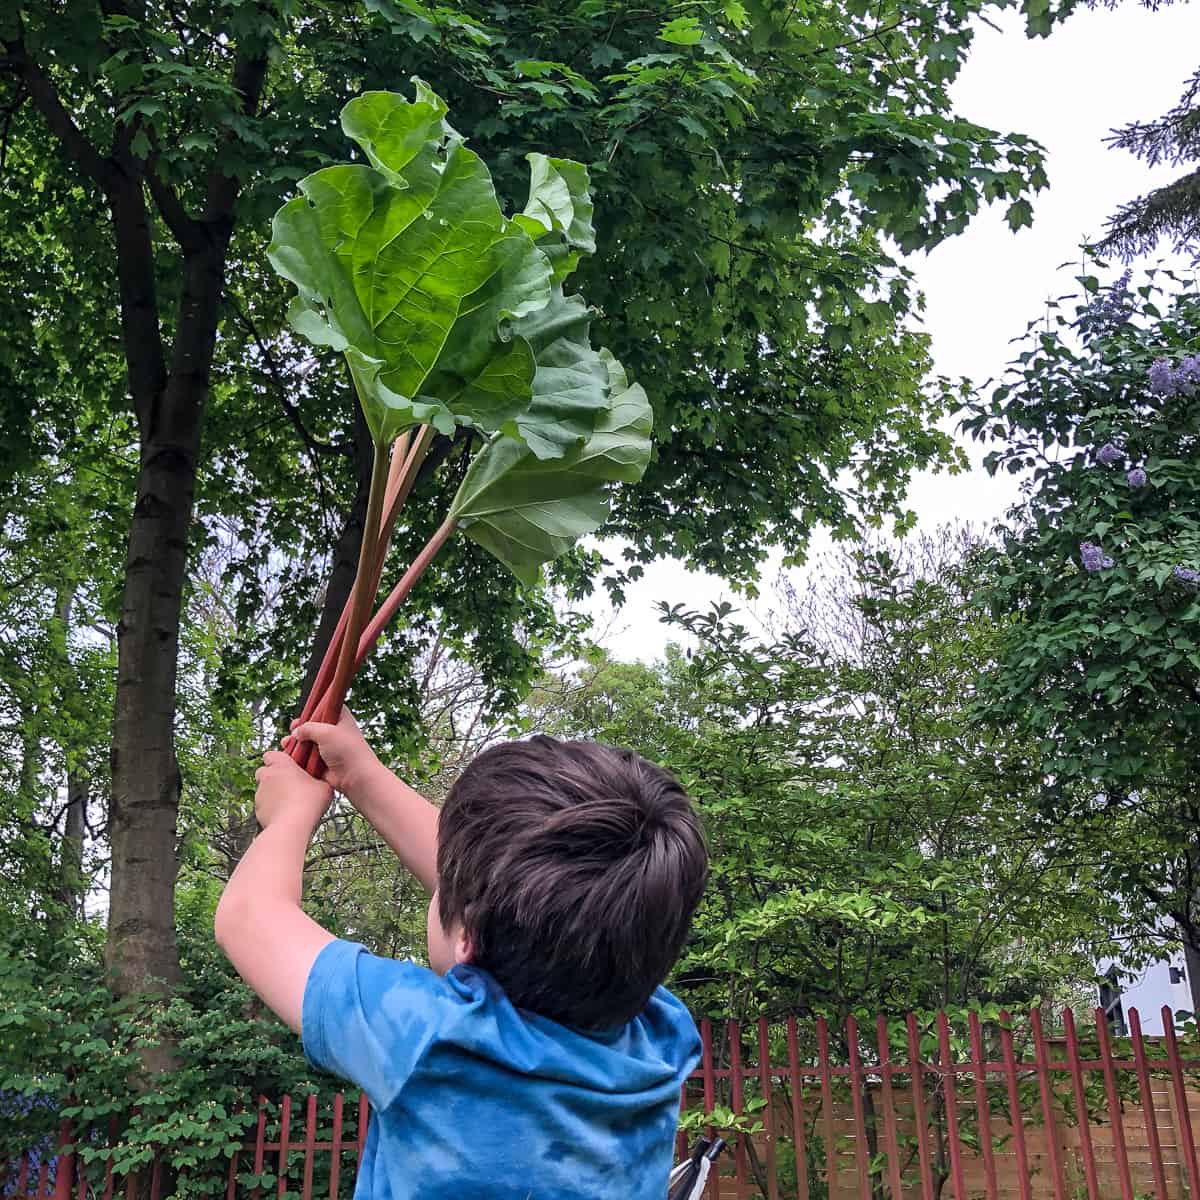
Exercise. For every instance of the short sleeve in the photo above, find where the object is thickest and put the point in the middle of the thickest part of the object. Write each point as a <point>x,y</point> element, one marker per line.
<point>671,1028</point>
<point>370,1020</point>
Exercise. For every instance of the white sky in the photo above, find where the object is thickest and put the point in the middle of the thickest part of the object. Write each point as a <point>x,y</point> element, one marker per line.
<point>1100,70</point>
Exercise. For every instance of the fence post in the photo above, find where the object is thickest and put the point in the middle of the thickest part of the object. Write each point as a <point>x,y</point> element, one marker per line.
<point>64,1164</point>
<point>862,1160</point>
<point>710,1097</point>
<point>260,1139</point>
<point>1143,1078</point>
<point>890,1134</point>
<point>1016,1117</point>
<point>1114,1106</point>
<point>335,1148</point>
<point>1184,1121</point>
<point>1053,1145</point>
<point>983,1106</point>
<point>736,1081</point>
<point>950,1089</point>
<point>285,1121</point>
<point>827,1105</point>
<point>310,1138</point>
<point>799,1133</point>
<point>764,1082</point>
<point>917,1079</point>
<point>1081,1109</point>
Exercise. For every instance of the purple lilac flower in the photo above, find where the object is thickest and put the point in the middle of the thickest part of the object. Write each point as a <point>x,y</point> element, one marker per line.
<point>1110,453</point>
<point>1094,559</point>
<point>1112,305</point>
<point>1186,574</point>
<point>1187,374</point>
<point>1136,478</point>
<point>1162,378</point>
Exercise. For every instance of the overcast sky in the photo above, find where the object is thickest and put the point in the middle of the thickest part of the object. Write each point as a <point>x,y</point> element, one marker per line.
<point>1100,70</point>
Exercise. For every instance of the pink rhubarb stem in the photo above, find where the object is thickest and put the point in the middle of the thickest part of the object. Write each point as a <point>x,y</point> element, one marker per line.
<point>399,593</point>
<point>402,474</point>
<point>361,596</point>
<point>330,705</point>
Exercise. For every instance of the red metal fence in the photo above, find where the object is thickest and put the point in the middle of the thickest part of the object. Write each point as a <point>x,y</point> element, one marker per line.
<point>914,1108</point>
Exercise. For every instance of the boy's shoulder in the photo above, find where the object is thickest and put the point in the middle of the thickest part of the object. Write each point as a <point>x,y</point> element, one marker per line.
<point>359,1006</point>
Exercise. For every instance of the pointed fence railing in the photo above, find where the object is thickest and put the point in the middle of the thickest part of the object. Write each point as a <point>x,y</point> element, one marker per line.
<point>917,1107</point>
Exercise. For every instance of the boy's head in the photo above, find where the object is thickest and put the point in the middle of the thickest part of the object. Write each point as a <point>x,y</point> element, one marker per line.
<point>569,871</point>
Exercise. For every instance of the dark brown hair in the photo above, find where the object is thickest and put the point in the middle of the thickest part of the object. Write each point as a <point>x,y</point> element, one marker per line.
<point>575,869</point>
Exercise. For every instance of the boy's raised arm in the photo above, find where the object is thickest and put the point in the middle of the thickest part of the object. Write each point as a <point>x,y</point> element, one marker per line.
<point>259,923</point>
<point>400,815</point>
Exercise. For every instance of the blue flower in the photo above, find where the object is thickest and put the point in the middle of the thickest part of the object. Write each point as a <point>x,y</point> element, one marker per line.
<point>1094,559</point>
<point>1136,477</point>
<point>1186,575</point>
<point>1162,378</point>
<point>1110,453</point>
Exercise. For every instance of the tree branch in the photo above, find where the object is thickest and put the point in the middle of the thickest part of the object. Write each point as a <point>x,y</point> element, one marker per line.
<point>9,116</point>
<point>312,444</point>
<point>189,233</point>
<point>249,78</point>
<point>46,99</point>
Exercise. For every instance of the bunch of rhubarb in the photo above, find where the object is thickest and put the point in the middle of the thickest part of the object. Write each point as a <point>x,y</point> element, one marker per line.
<point>452,315</point>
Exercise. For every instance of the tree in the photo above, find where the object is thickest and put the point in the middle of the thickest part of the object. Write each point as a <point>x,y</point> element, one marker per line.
<point>1171,211</point>
<point>750,164</point>
<point>872,850</point>
<point>1100,661</point>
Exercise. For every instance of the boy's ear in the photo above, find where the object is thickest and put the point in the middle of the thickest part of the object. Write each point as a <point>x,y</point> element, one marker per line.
<point>464,946</point>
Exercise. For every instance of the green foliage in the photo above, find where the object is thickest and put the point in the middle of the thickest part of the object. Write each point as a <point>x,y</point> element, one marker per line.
<point>63,1039</point>
<point>769,327</point>
<point>746,163</point>
<point>873,849</point>
<point>409,267</point>
<point>1102,666</point>
<point>453,320</point>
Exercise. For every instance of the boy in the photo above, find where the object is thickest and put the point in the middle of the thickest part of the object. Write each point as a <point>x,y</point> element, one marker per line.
<point>539,1059</point>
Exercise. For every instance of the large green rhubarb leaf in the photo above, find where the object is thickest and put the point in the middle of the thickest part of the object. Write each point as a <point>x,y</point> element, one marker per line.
<point>527,511</point>
<point>409,267</point>
<point>560,203</point>
<point>570,385</point>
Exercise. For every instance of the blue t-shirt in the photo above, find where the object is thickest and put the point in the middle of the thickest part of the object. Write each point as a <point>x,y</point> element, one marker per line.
<point>473,1098</point>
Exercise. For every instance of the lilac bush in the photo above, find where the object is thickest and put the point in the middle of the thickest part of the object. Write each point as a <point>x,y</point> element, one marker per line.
<point>1136,478</point>
<point>1110,453</point>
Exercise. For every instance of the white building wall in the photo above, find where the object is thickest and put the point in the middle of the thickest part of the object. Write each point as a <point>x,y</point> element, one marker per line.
<point>1148,988</point>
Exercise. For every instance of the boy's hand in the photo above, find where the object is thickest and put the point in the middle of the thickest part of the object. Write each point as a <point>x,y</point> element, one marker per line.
<point>286,788</point>
<point>348,758</point>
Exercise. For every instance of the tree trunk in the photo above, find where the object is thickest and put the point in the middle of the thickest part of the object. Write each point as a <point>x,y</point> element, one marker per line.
<point>70,860</point>
<point>1191,961</point>
<point>345,554</point>
<point>142,954</point>
<point>70,855</point>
